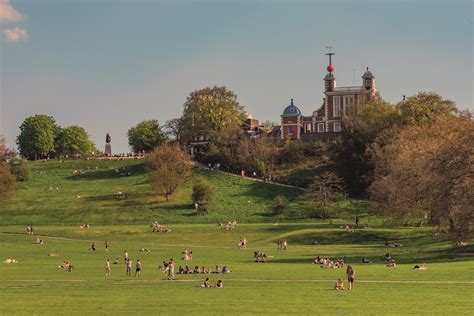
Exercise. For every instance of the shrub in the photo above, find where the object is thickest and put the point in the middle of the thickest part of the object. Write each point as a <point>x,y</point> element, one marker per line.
<point>280,205</point>
<point>203,194</point>
<point>19,168</point>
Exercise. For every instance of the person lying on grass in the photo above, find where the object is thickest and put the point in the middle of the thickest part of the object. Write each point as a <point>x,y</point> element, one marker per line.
<point>10,260</point>
<point>421,267</point>
<point>339,286</point>
<point>39,241</point>
<point>392,263</point>
<point>66,266</point>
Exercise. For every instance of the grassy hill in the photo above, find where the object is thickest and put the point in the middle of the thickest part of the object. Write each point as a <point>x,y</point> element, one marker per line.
<point>55,195</point>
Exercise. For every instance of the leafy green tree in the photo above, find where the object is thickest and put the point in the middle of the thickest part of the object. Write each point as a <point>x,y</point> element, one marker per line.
<point>74,140</point>
<point>203,194</point>
<point>168,166</point>
<point>352,153</point>
<point>146,136</point>
<point>210,112</point>
<point>20,169</point>
<point>37,137</point>
<point>426,107</point>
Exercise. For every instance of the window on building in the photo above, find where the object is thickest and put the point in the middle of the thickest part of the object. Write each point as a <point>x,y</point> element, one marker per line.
<point>337,127</point>
<point>337,106</point>
<point>320,127</point>
<point>290,130</point>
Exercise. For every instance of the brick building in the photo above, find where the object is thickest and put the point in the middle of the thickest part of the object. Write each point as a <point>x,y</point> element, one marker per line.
<point>338,102</point>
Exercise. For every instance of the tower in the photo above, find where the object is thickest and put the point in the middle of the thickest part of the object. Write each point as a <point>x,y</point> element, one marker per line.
<point>329,79</point>
<point>368,80</point>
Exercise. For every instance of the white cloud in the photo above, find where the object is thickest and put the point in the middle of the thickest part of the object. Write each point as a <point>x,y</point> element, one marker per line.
<point>16,34</point>
<point>9,13</point>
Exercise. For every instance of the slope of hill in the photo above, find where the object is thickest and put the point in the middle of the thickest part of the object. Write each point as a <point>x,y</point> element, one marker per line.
<point>56,194</point>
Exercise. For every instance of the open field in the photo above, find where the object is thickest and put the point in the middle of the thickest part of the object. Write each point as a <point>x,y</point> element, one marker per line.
<point>287,284</point>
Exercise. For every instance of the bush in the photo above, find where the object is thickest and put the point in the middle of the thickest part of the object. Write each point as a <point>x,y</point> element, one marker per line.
<point>20,169</point>
<point>203,194</point>
<point>280,205</point>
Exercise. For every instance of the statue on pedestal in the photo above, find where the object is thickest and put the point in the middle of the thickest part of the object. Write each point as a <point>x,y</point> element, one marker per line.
<point>108,147</point>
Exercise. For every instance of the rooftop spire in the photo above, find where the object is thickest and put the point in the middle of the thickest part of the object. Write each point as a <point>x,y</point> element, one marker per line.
<point>330,67</point>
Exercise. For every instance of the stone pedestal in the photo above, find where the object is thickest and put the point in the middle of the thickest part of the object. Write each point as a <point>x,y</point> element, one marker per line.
<point>108,150</point>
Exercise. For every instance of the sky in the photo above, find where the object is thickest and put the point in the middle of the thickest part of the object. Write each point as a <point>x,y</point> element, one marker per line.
<point>106,65</point>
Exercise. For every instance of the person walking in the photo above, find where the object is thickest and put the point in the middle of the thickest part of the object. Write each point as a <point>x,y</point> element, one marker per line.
<point>107,268</point>
<point>128,265</point>
<point>171,269</point>
<point>138,267</point>
<point>350,276</point>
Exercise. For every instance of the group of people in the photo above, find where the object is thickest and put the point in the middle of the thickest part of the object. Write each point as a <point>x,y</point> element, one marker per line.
<point>350,273</point>
<point>157,228</point>
<point>207,284</point>
<point>260,256</point>
<point>328,263</point>
<point>66,266</point>
<point>282,244</point>
<point>187,255</point>
<point>29,229</point>
<point>229,226</point>
<point>203,270</point>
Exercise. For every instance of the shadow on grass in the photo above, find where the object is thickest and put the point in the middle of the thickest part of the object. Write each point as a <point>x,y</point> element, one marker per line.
<point>133,170</point>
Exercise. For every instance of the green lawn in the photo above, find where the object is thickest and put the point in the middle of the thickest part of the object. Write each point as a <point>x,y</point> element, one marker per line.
<point>287,284</point>
<point>241,199</point>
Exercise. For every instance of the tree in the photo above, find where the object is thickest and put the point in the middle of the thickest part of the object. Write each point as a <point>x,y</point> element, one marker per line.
<point>174,129</point>
<point>352,153</point>
<point>280,204</point>
<point>203,194</point>
<point>7,183</point>
<point>74,140</point>
<point>37,137</point>
<point>20,169</point>
<point>430,168</point>
<point>426,107</point>
<point>168,166</point>
<point>324,189</point>
<point>146,136</point>
<point>209,112</point>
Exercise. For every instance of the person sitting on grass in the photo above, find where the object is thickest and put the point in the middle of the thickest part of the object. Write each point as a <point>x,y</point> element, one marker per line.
<point>217,270</point>
<point>187,270</point>
<point>225,270</point>
<point>339,286</point>
<point>392,263</point>
<point>206,283</point>
<point>219,284</point>
<point>196,270</point>
<point>181,270</point>
<point>93,247</point>
<point>39,241</point>
<point>188,254</point>
<point>387,257</point>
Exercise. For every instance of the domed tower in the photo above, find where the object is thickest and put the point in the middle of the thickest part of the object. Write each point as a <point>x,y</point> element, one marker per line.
<point>291,122</point>
<point>368,80</point>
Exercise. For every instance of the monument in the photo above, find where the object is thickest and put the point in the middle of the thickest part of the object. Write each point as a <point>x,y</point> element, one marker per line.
<point>108,147</point>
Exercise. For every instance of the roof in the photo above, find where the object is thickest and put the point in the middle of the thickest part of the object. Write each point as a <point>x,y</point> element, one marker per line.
<point>291,110</point>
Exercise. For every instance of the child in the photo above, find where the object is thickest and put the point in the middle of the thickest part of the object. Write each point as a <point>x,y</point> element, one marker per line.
<point>339,285</point>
